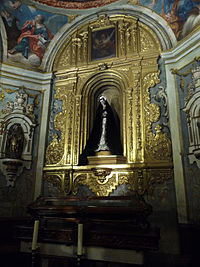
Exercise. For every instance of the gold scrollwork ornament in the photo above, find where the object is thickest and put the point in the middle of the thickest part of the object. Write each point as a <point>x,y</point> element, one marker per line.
<point>54,151</point>
<point>54,180</point>
<point>100,182</point>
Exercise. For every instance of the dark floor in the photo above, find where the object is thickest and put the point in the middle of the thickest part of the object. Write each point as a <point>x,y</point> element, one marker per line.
<point>189,256</point>
<point>151,260</point>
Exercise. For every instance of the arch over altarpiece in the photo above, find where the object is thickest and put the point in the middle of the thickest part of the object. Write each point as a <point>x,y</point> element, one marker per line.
<point>121,53</point>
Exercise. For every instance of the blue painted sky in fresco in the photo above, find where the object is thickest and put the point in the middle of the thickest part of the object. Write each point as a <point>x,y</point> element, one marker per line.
<point>184,6</point>
<point>24,13</point>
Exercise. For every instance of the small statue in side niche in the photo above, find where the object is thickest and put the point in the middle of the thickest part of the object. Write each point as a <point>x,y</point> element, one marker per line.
<point>30,112</point>
<point>15,142</point>
<point>105,135</point>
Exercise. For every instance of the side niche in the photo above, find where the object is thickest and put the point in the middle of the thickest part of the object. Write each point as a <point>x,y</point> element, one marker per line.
<point>17,123</point>
<point>192,110</point>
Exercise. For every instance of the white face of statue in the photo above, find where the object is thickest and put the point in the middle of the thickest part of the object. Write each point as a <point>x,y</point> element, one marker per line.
<point>102,100</point>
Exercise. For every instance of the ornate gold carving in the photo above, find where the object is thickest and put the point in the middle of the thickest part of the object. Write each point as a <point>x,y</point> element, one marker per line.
<point>137,98</point>
<point>147,41</point>
<point>128,178</point>
<point>54,152</point>
<point>55,180</point>
<point>161,149</point>
<point>131,35</point>
<point>100,181</point>
<point>103,181</point>
<point>158,146</point>
<point>102,21</point>
<point>102,174</point>
<point>121,28</point>
<point>144,181</point>
<point>71,17</point>
<point>67,182</point>
<point>63,57</point>
<point>59,150</point>
<point>2,95</point>
<point>134,2</point>
<point>130,127</point>
<point>182,75</point>
<point>155,177</point>
<point>79,179</point>
<point>103,66</point>
<point>77,128</point>
<point>62,180</point>
<point>128,32</point>
<point>78,80</point>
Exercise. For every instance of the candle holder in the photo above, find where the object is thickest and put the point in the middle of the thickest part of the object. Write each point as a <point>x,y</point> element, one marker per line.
<point>79,244</point>
<point>35,258</point>
<point>79,260</point>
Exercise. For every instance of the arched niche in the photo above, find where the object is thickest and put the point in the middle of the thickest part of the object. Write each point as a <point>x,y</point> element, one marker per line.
<point>113,86</point>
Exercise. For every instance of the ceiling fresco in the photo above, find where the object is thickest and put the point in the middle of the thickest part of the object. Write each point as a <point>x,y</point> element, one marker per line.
<point>29,34</point>
<point>182,15</point>
<point>76,4</point>
<point>29,31</point>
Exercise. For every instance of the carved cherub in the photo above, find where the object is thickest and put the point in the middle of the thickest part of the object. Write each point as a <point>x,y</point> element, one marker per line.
<point>20,100</point>
<point>30,112</point>
<point>9,108</point>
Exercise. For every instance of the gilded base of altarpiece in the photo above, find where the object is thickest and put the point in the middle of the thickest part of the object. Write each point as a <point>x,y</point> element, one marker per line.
<point>102,180</point>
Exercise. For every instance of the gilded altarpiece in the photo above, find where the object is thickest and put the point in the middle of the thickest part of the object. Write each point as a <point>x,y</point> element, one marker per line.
<point>131,72</point>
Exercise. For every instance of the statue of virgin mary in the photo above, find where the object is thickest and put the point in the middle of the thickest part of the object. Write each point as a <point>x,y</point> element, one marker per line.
<point>105,135</point>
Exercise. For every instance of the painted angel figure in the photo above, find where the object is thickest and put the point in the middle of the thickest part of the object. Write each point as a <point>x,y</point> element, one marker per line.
<point>34,37</point>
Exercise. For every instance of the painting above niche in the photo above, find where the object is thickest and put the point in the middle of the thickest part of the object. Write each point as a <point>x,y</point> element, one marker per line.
<point>103,44</point>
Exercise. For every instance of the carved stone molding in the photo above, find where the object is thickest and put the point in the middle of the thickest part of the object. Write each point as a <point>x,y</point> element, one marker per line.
<point>192,108</point>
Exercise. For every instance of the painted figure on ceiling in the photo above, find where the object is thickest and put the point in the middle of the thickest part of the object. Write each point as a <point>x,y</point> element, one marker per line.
<point>176,13</point>
<point>105,135</point>
<point>192,22</point>
<point>173,18</point>
<point>16,17</point>
<point>34,37</point>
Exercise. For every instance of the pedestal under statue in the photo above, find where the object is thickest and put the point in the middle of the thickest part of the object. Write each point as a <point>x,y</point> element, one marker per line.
<point>105,136</point>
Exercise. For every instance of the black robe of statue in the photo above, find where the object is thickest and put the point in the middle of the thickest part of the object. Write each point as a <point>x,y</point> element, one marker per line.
<point>112,135</point>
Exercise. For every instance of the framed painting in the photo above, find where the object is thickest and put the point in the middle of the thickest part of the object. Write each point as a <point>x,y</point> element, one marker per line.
<point>103,44</point>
